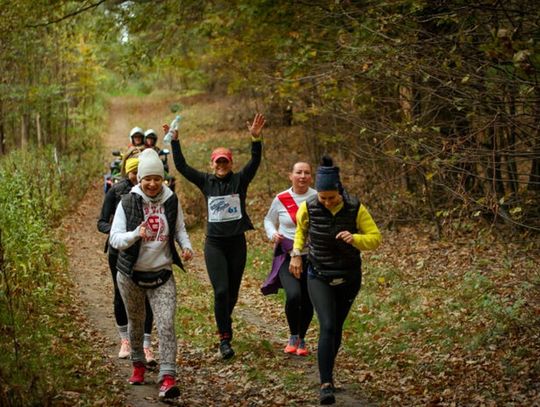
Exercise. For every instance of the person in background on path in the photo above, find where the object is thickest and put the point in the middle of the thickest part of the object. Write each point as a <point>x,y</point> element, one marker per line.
<point>112,198</point>
<point>338,227</point>
<point>135,146</point>
<point>146,224</point>
<point>136,138</point>
<point>225,248</point>
<point>280,226</point>
<point>150,140</point>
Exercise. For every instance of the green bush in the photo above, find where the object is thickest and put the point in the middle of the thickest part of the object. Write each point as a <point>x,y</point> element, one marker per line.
<point>39,349</point>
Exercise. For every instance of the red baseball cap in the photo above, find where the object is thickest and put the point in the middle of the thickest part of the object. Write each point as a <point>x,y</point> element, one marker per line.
<point>221,152</point>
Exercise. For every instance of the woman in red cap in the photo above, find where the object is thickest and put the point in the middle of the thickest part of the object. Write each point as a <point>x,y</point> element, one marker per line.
<point>225,245</point>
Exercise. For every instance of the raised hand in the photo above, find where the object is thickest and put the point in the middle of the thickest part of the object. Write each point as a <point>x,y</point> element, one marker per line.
<point>166,129</point>
<point>255,128</point>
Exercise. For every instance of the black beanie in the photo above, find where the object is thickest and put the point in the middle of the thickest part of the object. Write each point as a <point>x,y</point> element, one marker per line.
<point>327,178</point>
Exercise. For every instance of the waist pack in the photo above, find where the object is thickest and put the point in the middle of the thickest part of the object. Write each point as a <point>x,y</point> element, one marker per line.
<point>332,277</point>
<point>151,279</point>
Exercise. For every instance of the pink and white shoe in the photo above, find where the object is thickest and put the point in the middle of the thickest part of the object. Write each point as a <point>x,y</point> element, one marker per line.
<point>125,349</point>
<point>149,356</point>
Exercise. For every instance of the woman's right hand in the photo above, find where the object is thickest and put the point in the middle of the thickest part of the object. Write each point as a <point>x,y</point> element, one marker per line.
<point>277,237</point>
<point>295,266</point>
<point>142,231</point>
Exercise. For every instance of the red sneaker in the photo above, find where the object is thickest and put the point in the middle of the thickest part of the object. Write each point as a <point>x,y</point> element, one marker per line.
<point>292,345</point>
<point>138,373</point>
<point>302,349</point>
<point>168,389</point>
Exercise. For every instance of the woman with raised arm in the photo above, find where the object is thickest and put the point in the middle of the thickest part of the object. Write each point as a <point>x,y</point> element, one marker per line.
<point>225,247</point>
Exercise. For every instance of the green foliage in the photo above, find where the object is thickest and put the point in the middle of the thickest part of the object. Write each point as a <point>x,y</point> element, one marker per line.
<point>448,89</point>
<point>42,352</point>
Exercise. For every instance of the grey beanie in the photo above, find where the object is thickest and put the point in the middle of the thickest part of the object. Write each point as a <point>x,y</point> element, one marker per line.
<point>149,164</point>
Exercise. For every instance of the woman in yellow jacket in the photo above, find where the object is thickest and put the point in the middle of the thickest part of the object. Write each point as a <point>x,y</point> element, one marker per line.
<point>339,228</point>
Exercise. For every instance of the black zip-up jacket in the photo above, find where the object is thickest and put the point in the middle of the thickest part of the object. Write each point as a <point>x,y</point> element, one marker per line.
<point>211,186</point>
<point>330,256</point>
<point>112,198</point>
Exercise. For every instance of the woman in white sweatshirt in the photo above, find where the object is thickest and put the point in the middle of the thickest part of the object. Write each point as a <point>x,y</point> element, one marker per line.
<point>280,226</point>
<point>146,224</point>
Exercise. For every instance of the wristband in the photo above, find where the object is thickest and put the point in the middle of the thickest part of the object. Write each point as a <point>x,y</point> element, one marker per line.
<point>295,253</point>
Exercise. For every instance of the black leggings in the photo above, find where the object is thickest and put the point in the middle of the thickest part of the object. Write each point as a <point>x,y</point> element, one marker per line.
<point>225,259</point>
<point>119,308</point>
<point>332,304</point>
<point>298,308</point>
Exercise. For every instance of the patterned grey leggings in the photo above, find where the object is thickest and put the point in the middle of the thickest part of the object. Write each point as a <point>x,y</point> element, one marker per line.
<point>163,303</point>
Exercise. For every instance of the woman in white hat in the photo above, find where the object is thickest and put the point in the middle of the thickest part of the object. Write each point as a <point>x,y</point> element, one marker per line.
<point>146,224</point>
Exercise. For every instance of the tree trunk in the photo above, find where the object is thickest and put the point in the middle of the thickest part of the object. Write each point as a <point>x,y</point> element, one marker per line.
<point>510,134</point>
<point>2,129</point>
<point>24,131</point>
<point>38,130</point>
<point>534,176</point>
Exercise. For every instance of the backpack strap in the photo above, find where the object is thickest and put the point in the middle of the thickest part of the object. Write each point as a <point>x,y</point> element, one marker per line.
<point>289,203</point>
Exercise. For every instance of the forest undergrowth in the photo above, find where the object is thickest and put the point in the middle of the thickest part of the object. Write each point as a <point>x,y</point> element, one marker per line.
<point>449,321</point>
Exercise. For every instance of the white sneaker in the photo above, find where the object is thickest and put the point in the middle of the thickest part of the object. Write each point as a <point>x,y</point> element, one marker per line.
<point>149,356</point>
<point>125,349</point>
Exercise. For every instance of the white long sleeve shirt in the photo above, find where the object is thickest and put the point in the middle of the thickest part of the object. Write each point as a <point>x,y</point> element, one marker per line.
<point>155,253</point>
<point>278,220</point>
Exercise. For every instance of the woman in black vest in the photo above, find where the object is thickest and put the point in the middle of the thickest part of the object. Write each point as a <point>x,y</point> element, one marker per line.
<point>225,247</point>
<point>146,224</point>
<point>339,227</point>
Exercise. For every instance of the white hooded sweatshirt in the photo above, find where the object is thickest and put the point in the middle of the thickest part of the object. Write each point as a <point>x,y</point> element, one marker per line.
<point>155,253</point>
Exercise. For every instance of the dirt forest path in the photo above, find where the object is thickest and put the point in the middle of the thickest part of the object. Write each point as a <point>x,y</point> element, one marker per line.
<point>204,379</point>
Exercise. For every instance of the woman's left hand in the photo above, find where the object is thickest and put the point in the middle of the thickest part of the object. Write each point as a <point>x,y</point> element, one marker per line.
<point>346,236</point>
<point>187,254</point>
<point>256,127</point>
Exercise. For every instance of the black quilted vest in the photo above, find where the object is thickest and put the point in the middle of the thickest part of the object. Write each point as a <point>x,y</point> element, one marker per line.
<point>329,256</point>
<point>133,208</point>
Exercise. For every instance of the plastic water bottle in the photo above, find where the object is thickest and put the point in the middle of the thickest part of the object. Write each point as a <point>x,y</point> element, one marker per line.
<point>174,126</point>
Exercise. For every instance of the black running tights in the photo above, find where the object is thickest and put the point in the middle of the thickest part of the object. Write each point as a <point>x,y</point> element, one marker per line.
<point>225,259</point>
<point>298,308</point>
<point>332,304</point>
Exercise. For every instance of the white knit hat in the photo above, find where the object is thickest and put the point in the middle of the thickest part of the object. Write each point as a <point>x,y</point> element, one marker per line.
<point>150,164</point>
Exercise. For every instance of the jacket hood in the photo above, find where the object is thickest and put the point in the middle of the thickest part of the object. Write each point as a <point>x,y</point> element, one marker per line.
<point>165,194</point>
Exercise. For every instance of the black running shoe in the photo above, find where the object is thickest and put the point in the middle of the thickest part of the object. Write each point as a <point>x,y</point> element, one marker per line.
<point>326,395</point>
<point>225,348</point>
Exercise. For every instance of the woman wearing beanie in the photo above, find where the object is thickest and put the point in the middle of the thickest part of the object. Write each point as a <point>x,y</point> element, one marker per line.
<point>280,226</point>
<point>146,224</point>
<point>338,227</point>
<point>112,198</point>
<point>225,248</point>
